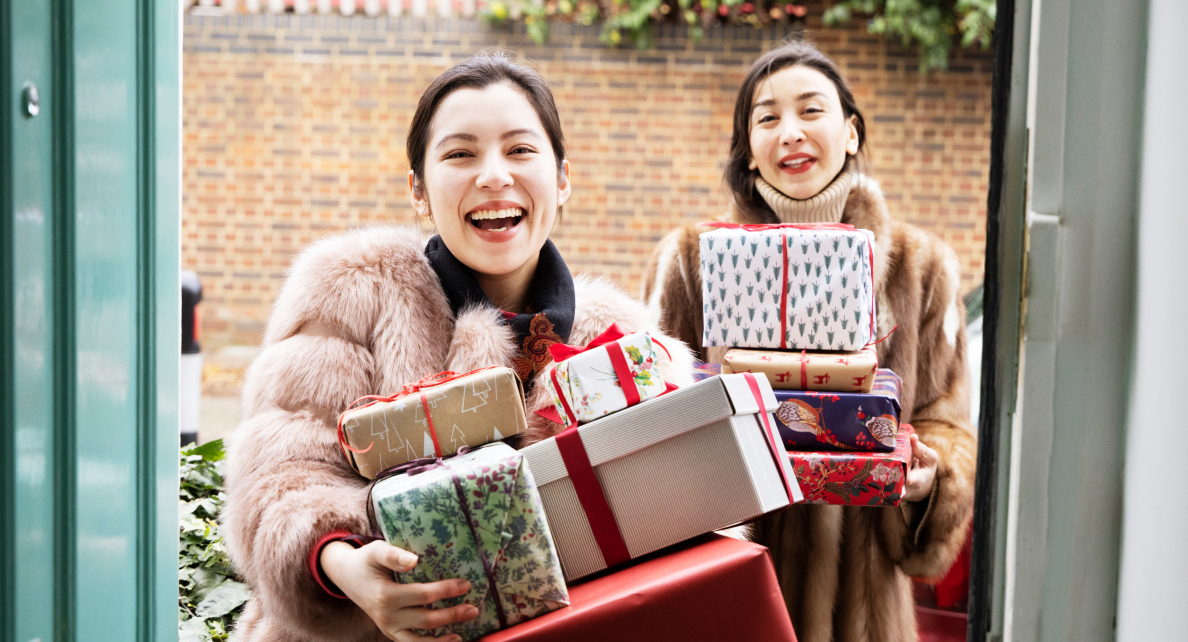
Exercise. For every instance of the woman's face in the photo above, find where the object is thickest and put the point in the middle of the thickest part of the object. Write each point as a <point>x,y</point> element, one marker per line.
<point>799,135</point>
<point>491,180</point>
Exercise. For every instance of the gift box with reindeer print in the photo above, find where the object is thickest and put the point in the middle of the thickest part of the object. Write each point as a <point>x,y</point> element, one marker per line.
<point>788,286</point>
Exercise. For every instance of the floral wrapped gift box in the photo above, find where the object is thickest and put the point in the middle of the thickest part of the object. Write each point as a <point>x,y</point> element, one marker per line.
<point>787,286</point>
<point>855,479</point>
<point>811,420</point>
<point>476,516</point>
<point>613,372</point>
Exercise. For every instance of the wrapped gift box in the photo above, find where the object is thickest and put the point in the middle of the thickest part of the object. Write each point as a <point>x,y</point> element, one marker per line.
<point>706,370</point>
<point>833,371</point>
<point>475,516</point>
<point>855,479</point>
<point>692,461</point>
<point>841,420</point>
<point>713,588</point>
<point>434,417</point>
<point>800,287</point>
<point>614,372</point>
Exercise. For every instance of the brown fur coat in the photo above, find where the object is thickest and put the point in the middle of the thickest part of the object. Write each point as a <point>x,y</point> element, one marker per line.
<point>844,570</point>
<point>361,313</point>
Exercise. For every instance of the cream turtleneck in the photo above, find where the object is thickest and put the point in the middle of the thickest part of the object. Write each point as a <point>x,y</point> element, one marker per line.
<point>825,207</point>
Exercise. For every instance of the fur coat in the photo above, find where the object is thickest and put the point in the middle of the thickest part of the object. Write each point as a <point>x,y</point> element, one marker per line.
<point>844,570</point>
<point>360,313</point>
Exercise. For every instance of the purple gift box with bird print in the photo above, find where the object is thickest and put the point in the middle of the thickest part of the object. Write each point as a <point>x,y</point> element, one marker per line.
<point>812,420</point>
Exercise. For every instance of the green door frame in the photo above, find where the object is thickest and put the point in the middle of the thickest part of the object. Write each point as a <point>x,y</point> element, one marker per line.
<point>1049,491</point>
<point>89,320</point>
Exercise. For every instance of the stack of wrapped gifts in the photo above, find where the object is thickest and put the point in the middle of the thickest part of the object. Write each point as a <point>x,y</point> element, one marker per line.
<point>796,304</point>
<point>640,466</point>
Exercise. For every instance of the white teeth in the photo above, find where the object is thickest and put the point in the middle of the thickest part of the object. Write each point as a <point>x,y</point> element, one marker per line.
<point>502,229</point>
<point>505,213</point>
<point>795,163</point>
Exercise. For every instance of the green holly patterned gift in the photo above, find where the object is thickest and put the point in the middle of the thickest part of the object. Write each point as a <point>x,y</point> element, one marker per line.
<point>476,516</point>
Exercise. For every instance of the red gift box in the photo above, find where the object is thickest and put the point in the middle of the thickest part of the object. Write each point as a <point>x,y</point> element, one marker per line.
<point>710,588</point>
<point>855,478</point>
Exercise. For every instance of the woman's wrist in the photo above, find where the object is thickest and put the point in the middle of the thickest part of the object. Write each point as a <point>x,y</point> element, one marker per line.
<point>331,560</point>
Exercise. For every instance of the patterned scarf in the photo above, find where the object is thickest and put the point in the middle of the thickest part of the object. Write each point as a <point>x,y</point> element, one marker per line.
<point>549,316</point>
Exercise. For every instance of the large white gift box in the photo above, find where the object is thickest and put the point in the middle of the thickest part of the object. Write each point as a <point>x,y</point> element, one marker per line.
<point>695,460</point>
<point>788,286</point>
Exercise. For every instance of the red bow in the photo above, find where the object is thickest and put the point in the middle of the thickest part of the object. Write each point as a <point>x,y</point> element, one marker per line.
<point>562,351</point>
<point>764,227</point>
<point>428,381</point>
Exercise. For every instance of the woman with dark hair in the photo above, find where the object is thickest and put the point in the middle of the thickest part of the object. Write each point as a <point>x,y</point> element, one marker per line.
<point>373,309</point>
<point>797,136</point>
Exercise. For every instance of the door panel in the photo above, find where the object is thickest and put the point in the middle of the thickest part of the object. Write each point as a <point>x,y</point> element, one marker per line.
<point>90,321</point>
<point>29,224</point>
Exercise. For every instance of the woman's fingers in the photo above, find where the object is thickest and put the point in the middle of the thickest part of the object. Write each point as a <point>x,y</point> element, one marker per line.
<point>430,619</point>
<point>409,595</point>
<point>409,636</point>
<point>391,557</point>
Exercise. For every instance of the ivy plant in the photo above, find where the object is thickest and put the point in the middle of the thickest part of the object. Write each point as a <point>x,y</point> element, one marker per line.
<point>928,24</point>
<point>210,596</point>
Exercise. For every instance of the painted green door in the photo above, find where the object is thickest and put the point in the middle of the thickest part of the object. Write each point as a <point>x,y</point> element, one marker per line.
<point>89,319</point>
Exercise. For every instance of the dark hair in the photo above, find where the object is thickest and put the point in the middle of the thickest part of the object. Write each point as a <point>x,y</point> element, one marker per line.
<point>739,176</point>
<point>477,72</point>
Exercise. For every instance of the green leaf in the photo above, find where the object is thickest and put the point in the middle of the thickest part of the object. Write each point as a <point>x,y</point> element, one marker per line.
<point>223,599</point>
<point>210,451</point>
<point>193,630</point>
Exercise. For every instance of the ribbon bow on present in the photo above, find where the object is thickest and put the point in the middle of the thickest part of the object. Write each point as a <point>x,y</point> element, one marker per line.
<point>608,339</point>
<point>808,227</point>
<point>428,381</point>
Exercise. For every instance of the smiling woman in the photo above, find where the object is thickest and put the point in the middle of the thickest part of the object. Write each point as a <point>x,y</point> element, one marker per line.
<point>844,569</point>
<point>371,310</point>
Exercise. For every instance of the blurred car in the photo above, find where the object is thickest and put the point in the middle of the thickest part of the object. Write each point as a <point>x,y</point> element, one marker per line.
<point>191,358</point>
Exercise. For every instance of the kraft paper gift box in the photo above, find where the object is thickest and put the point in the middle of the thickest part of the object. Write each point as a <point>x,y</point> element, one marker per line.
<point>613,372</point>
<point>712,588</point>
<point>695,460</point>
<point>833,371</point>
<point>433,417</point>
<point>855,479</point>
<point>811,420</point>
<point>475,516</point>
<point>788,286</point>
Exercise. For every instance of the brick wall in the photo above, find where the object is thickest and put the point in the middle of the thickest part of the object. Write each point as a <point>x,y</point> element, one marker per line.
<point>294,129</point>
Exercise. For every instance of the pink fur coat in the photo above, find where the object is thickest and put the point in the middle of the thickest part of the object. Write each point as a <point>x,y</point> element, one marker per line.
<point>361,313</point>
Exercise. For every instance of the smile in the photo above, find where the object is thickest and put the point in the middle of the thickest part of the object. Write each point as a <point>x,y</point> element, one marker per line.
<point>797,163</point>
<point>496,220</point>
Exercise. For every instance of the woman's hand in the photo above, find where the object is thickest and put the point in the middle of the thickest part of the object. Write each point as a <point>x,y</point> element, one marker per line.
<point>922,473</point>
<point>365,576</point>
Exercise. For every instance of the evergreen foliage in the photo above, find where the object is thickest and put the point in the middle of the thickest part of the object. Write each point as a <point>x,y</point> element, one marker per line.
<point>210,596</point>
<point>931,26</point>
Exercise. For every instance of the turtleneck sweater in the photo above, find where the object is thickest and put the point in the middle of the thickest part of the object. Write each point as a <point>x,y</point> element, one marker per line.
<point>825,207</point>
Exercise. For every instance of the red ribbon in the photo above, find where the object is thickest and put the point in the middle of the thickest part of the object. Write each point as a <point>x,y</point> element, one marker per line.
<point>811,227</point>
<point>562,351</point>
<point>772,444</point>
<point>608,339</point>
<point>764,227</point>
<point>592,498</point>
<point>428,381</point>
<point>804,369</point>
